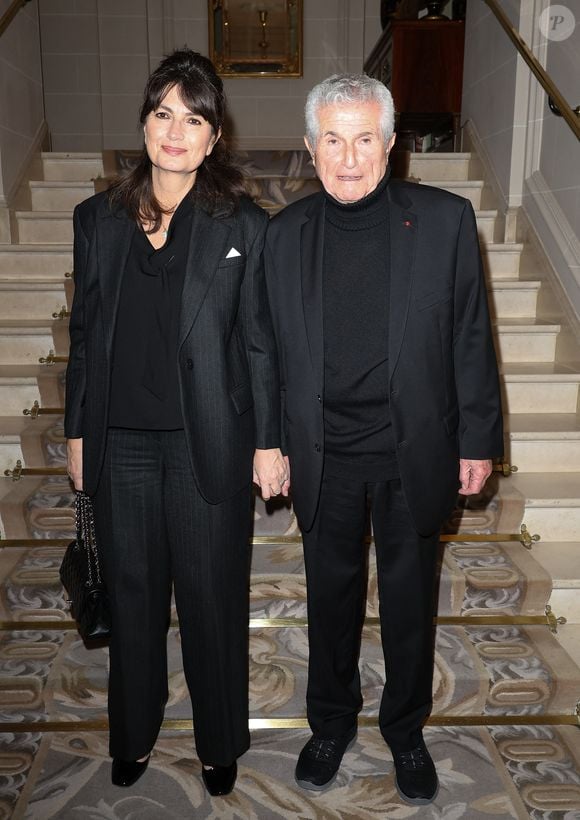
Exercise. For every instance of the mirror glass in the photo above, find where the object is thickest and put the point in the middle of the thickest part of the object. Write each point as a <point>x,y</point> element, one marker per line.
<point>256,38</point>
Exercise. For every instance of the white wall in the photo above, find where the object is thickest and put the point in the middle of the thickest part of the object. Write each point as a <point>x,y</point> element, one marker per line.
<point>532,156</point>
<point>560,150</point>
<point>489,87</point>
<point>97,54</point>
<point>21,104</point>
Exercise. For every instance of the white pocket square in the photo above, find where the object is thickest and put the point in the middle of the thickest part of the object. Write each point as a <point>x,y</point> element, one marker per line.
<point>232,252</point>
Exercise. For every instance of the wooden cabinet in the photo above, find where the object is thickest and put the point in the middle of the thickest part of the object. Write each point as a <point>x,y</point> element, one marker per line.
<point>421,61</point>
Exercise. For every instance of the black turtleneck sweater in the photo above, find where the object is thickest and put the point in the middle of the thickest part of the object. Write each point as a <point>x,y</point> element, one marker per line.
<point>357,425</point>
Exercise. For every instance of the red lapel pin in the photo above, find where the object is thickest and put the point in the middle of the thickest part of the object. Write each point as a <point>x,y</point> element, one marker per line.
<point>407,224</point>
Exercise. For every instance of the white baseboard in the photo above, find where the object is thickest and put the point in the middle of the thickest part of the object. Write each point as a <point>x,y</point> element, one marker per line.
<point>35,148</point>
<point>476,144</point>
<point>556,236</point>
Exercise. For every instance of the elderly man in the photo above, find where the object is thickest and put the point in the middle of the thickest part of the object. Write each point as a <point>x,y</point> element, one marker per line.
<point>390,400</point>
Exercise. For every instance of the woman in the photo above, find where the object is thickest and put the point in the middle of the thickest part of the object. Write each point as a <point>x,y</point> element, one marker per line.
<point>171,397</point>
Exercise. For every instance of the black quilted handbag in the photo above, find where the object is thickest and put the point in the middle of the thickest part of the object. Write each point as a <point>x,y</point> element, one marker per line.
<point>81,576</point>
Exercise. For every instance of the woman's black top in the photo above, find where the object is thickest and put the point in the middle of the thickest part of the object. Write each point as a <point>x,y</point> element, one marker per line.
<point>144,386</point>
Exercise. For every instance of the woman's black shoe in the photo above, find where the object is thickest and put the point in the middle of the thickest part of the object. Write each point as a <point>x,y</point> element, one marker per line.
<point>127,772</point>
<point>220,780</point>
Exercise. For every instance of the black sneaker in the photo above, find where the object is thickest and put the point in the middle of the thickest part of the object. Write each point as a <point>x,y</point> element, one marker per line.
<point>415,776</point>
<point>320,759</point>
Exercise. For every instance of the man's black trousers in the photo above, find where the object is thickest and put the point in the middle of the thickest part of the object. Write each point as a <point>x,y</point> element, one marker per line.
<point>335,558</point>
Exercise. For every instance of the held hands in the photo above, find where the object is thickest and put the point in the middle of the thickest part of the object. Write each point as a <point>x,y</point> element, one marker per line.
<point>271,473</point>
<point>74,461</point>
<point>473,474</point>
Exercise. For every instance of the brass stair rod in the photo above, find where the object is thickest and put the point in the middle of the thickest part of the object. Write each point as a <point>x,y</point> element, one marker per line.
<point>36,410</point>
<point>260,540</point>
<point>52,358</point>
<point>18,471</point>
<point>549,619</point>
<point>523,537</point>
<point>505,468</point>
<point>364,721</point>
<point>63,313</point>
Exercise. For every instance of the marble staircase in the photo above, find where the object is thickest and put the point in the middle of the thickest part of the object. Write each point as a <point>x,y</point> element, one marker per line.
<point>539,359</point>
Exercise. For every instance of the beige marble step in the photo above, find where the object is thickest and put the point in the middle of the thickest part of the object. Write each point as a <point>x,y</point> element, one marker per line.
<point>542,387</point>
<point>24,341</point>
<point>500,260</point>
<point>31,298</point>
<point>33,261</point>
<point>568,636</point>
<point>58,195</point>
<point>11,429</point>
<point>71,167</point>
<point>561,559</point>
<point>45,227</point>
<point>486,225</point>
<point>552,504</point>
<point>513,298</point>
<point>525,340</point>
<point>470,189</point>
<point>440,166</point>
<point>537,443</point>
<point>18,390</point>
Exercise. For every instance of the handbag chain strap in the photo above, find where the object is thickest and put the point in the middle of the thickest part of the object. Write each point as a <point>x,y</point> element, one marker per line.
<point>85,524</point>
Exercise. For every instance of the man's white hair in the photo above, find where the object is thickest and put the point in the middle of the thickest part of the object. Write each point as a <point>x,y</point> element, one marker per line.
<point>348,88</point>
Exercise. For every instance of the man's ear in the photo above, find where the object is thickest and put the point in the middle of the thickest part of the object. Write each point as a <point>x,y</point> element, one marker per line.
<point>390,144</point>
<point>308,148</point>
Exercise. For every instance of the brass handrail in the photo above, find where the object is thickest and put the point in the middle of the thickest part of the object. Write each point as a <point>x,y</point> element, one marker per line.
<point>571,116</point>
<point>11,13</point>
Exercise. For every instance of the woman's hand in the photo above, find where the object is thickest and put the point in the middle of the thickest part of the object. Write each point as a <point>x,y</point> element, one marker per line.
<point>271,473</point>
<point>74,461</point>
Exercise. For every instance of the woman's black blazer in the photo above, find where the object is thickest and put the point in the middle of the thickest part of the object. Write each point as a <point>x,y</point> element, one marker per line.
<point>226,357</point>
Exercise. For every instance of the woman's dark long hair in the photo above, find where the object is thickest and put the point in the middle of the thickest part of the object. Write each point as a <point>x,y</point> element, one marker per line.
<point>218,183</point>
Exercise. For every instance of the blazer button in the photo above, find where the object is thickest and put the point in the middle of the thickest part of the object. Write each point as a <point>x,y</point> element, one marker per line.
<point>317,447</point>
<point>394,394</point>
<point>319,398</point>
<point>189,364</point>
<point>402,444</point>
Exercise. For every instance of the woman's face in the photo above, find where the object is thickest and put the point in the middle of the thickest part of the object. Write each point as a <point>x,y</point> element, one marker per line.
<point>176,139</point>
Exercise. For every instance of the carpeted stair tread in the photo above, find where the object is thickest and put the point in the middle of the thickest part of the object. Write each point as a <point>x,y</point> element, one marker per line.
<point>49,674</point>
<point>476,578</point>
<point>498,772</point>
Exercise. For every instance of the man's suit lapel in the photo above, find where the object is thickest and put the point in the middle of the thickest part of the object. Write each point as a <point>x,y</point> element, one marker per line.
<point>207,248</point>
<point>114,237</point>
<point>311,259</point>
<point>403,226</point>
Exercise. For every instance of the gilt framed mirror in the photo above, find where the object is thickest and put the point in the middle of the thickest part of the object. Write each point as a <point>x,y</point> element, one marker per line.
<point>256,38</point>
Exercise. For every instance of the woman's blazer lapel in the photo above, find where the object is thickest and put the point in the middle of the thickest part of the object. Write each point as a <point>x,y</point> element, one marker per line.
<point>208,246</point>
<point>114,236</point>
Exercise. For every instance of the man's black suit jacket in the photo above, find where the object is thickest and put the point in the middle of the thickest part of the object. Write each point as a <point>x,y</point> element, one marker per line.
<point>443,383</point>
<point>227,367</point>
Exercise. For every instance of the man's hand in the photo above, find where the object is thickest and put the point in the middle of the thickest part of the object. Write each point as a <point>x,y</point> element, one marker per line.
<point>271,473</point>
<point>473,474</point>
<point>74,461</point>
